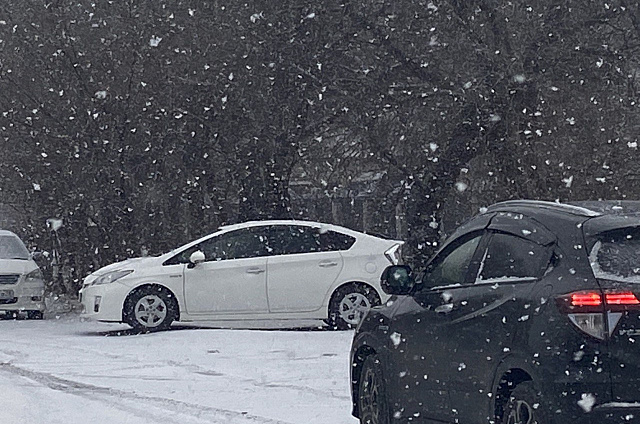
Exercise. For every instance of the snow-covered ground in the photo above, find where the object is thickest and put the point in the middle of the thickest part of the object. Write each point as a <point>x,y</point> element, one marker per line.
<point>68,371</point>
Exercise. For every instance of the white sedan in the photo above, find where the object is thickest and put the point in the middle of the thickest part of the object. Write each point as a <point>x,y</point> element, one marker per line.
<point>251,271</point>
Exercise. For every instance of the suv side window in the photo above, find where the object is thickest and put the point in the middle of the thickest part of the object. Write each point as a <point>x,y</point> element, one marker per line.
<point>508,256</point>
<point>452,265</point>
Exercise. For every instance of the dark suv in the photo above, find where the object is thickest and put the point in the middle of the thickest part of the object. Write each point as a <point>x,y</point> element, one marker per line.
<point>529,313</point>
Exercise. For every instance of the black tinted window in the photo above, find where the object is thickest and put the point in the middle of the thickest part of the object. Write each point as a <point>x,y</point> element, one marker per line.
<point>452,266</point>
<point>508,256</point>
<point>292,239</point>
<point>247,243</point>
<point>331,241</point>
<point>239,244</point>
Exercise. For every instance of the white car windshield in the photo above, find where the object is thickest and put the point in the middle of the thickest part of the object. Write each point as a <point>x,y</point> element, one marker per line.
<point>12,248</point>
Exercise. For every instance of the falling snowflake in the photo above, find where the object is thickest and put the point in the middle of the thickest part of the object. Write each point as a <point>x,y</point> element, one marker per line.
<point>395,338</point>
<point>461,187</point>
<point>587,402</point>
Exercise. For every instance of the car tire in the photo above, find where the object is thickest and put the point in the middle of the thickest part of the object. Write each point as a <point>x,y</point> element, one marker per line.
<point>150,308</point>
<point>373,406</point>
<point>35,315</point>
<point>523,406</point>
<point>348,305</point>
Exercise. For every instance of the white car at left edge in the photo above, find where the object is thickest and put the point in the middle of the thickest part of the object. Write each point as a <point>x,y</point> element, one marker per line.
<point>21,282</point>
<point>263,270</point>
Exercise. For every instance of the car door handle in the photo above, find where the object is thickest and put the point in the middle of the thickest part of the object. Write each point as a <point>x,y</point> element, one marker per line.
<point>327,264</point>
<point>444,309</point>
<point>255,270</point>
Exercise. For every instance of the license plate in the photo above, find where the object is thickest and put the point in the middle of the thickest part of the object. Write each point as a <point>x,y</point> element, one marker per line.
<point>6,294</point>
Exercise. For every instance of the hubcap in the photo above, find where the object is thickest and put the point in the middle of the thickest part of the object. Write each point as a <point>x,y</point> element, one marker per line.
<point>353,306</point>
<point>150,311</point>
<point>520,413</point>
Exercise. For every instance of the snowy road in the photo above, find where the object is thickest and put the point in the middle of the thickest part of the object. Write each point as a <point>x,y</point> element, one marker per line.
<point>66,371</point>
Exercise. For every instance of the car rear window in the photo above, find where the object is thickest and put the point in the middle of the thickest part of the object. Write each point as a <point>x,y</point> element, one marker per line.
<point>615,255</point>
<point>12,248</point>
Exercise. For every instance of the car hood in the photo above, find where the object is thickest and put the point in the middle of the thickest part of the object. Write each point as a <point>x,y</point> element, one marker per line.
<point>132,263</point>
<point>16,266</point>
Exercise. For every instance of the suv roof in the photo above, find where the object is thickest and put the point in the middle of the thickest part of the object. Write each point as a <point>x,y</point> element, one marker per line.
<point>521,205</point>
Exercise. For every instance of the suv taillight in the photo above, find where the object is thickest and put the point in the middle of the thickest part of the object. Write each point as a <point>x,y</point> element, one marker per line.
<point>597,313</point>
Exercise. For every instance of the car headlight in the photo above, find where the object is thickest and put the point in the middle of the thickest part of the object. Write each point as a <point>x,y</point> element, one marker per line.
<point>34,276</point>
<point>111,277</point>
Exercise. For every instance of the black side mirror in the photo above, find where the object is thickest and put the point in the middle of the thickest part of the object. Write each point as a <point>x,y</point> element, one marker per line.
<point>397,279</point>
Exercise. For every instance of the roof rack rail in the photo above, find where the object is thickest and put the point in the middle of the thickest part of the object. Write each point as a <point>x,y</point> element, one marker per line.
<point>576,210</point>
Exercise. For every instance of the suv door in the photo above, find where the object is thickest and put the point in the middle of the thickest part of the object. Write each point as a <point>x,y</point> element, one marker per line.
<point>302,267</point>
<point>422,337</point>
<point>233,277</point>
<point>485,314</point>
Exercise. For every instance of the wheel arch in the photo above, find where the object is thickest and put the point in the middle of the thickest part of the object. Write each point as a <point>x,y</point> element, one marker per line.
<point>509,374</point>
<point>153,286</point>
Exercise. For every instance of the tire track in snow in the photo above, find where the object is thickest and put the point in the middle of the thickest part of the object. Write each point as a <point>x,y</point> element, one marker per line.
<point>107,394</point>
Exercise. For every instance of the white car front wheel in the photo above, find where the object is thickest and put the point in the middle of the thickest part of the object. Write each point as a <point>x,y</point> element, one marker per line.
<point>150,308</point>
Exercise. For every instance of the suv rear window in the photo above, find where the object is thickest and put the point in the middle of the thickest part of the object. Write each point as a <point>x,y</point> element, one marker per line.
<point>615,255</point>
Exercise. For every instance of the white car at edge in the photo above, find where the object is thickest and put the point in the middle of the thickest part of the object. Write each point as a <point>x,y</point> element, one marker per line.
<point>251,271</point>
<point>21,282</point>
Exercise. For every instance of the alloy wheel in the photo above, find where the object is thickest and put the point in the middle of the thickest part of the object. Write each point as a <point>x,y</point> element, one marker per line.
<point>353,306</point>
<point>150,311</point>
<point>520,413</point>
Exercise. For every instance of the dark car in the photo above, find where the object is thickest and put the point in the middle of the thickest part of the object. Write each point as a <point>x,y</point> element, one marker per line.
<point>529,313</point>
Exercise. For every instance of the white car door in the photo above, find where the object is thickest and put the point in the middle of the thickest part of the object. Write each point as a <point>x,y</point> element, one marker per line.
<point>233,278</point>
<point>300,273</point>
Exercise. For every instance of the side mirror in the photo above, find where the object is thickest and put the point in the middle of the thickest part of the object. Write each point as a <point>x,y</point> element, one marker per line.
<point>196,258</point>
<point>397,279</point>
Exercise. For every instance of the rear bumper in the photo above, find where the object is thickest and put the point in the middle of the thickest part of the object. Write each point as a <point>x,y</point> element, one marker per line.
<point>589,403</point>
<point>616,412</point>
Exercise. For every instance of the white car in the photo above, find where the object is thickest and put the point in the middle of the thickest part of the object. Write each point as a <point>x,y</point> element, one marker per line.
<point>250,271</point>
<point>21,283</point>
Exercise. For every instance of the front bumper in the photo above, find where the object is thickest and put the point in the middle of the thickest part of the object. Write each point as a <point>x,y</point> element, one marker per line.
<point>103,302</point>
<point>26,298</point>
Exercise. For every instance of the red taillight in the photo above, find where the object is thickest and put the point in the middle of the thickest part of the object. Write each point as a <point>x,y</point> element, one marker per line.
<point>611,298</point>
<point>586,299</point>
<point>596,313</point>
<point>625,298</point>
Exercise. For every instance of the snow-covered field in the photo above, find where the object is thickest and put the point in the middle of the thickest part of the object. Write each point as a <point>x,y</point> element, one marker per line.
<point>68,371</point>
